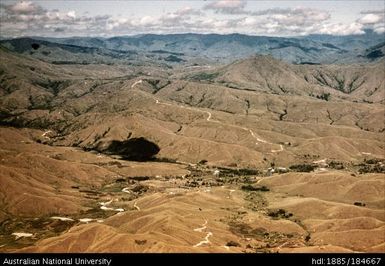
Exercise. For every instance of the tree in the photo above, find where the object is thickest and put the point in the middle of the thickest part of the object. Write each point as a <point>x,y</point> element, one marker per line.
<point>324,96</point>
<point>35,46</point>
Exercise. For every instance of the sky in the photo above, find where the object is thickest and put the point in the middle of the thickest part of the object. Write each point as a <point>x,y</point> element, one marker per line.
<point>53,18</point>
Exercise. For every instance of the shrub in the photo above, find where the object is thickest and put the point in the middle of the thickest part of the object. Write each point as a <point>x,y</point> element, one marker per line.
<point>233,244</point>
<point>303,167</point>
<point>324,96</point>
<point>280,213</point>
<point>361,204</point>
<point>336,165</point>
<point>205,76</point>
<point>139,178</point>
<point>35,46</point>
<point>252,188</point>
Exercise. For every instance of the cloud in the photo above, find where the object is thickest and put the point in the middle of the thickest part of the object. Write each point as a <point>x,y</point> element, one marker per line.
<point>294,17</point>
<point>298,11</point>
<point>147,21</point>
<point>172,21</point>
<point>59,29</point>
<point>28,18</point>
<point>342,29</point>
<point>370,19</point>
<point>187,11</point>
<point>374,20</point>
<point>227,6</point>
<point>380,29</point>
<point>71,14</point>
<point>25,8</point>
<point>285,21</point>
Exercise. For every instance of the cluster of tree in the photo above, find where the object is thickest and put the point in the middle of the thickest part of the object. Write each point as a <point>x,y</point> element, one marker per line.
<point>324,96</point>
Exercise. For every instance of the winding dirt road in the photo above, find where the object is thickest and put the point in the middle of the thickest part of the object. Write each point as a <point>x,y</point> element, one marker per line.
<point>136,206</point>
<point>206,238</point>
<point>209,119</point>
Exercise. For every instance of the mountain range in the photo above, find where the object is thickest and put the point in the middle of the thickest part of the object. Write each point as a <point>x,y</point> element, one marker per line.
<point>212,48</point>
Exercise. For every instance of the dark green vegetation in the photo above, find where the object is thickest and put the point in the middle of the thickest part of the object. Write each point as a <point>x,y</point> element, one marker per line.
<point>254,188</point>
<point>303,167</point>
<point>280,213</point>
<point>204,76</point>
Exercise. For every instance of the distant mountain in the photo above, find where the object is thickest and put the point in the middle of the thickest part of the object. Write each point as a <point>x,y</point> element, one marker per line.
<point>59,53</point>
<point>198,48</point>
<point>259,73</point>
<point>375,52</point>
<point>266,74</point>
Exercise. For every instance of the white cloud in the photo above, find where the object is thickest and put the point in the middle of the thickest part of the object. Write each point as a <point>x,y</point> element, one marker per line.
<point>24,7</point>
<point>379,29</point>
<point>27,18</point>
<point>248,21</point>
<point>295,16</point>
<point>370,19</point>
<point>227,6</point>
<point>374,20</point>
<point>185,11</point>
<point>147,21</point>
<point>284,21</point>
<point>71,14</point>
<point>342,29</point>
<point>299,12</point>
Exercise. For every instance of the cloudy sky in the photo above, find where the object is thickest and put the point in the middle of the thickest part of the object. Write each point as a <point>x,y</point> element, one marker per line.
<point>111,18</point>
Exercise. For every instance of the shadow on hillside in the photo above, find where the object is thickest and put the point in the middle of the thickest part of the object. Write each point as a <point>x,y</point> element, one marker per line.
<point>135,149</point>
